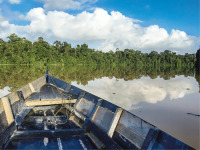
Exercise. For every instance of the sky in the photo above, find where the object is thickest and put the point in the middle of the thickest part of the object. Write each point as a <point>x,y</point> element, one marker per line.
<point>105,25</point>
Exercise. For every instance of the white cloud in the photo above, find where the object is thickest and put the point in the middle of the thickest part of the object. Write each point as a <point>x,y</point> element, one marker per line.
<point>109,31</point>
<point>66,4</point>
<point>4,91</point>
<point>14,1</point>
<point>1,1</point>
<point>6,28</point>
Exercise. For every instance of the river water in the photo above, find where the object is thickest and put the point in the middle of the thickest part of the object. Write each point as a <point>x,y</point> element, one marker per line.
<point>172,104</point>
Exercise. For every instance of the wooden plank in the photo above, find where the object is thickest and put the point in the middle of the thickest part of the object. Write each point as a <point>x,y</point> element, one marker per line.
<point>8,110</point>
<point>38,83</point>
<point>114,122</point>
<point>48,102</point>
<point>13,97</point>
<point>1,107</point>
<point>95,110</point>
<point>31,87</point>
<point>77,103</point>
<point>95,113</point>
<point>26,91</point>
<point>81,95</point>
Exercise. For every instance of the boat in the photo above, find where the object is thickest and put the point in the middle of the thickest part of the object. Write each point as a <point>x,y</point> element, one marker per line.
<point>49,113</point>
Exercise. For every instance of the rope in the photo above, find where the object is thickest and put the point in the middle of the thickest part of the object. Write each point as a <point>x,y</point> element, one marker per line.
<point>64,105</point>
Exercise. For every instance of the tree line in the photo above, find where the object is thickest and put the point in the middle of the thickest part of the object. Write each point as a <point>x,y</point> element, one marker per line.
<point>18,50</point>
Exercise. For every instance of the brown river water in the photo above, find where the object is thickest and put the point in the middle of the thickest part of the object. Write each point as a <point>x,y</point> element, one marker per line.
<point>172,104</point>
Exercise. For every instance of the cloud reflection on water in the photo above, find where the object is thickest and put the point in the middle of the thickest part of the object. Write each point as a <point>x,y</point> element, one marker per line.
<point>128,94</point>
<point>4,91</point>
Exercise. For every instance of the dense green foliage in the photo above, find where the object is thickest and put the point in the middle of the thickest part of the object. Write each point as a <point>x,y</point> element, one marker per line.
<point>22,51</point>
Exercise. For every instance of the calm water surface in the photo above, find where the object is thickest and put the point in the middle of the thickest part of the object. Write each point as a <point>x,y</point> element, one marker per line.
<point>163,103</point>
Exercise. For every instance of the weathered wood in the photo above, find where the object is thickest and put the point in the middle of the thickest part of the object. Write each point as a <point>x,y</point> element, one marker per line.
<point>95,113</point>
<point>48,102</point>
<point>114,122</point>
<point>13,97</point>
<point>31,87</point>
<point>38,83</point>
<point>26,91</point>
<point>81,95</point>
<point>1,107</point>
<point>95,109</point>
<point>8,110</point>
<point>77,103</point>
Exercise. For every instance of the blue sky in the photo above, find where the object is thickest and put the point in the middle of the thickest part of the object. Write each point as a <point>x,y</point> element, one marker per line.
<point>109,24</point>
<point>170,14</point>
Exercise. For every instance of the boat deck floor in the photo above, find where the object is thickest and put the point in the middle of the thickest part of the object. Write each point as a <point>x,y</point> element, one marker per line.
<point>38,129</point>
<point>68,142</point>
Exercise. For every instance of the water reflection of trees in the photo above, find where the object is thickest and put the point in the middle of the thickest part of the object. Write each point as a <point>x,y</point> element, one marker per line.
<point>197,76</point>
<point>17,76</point>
